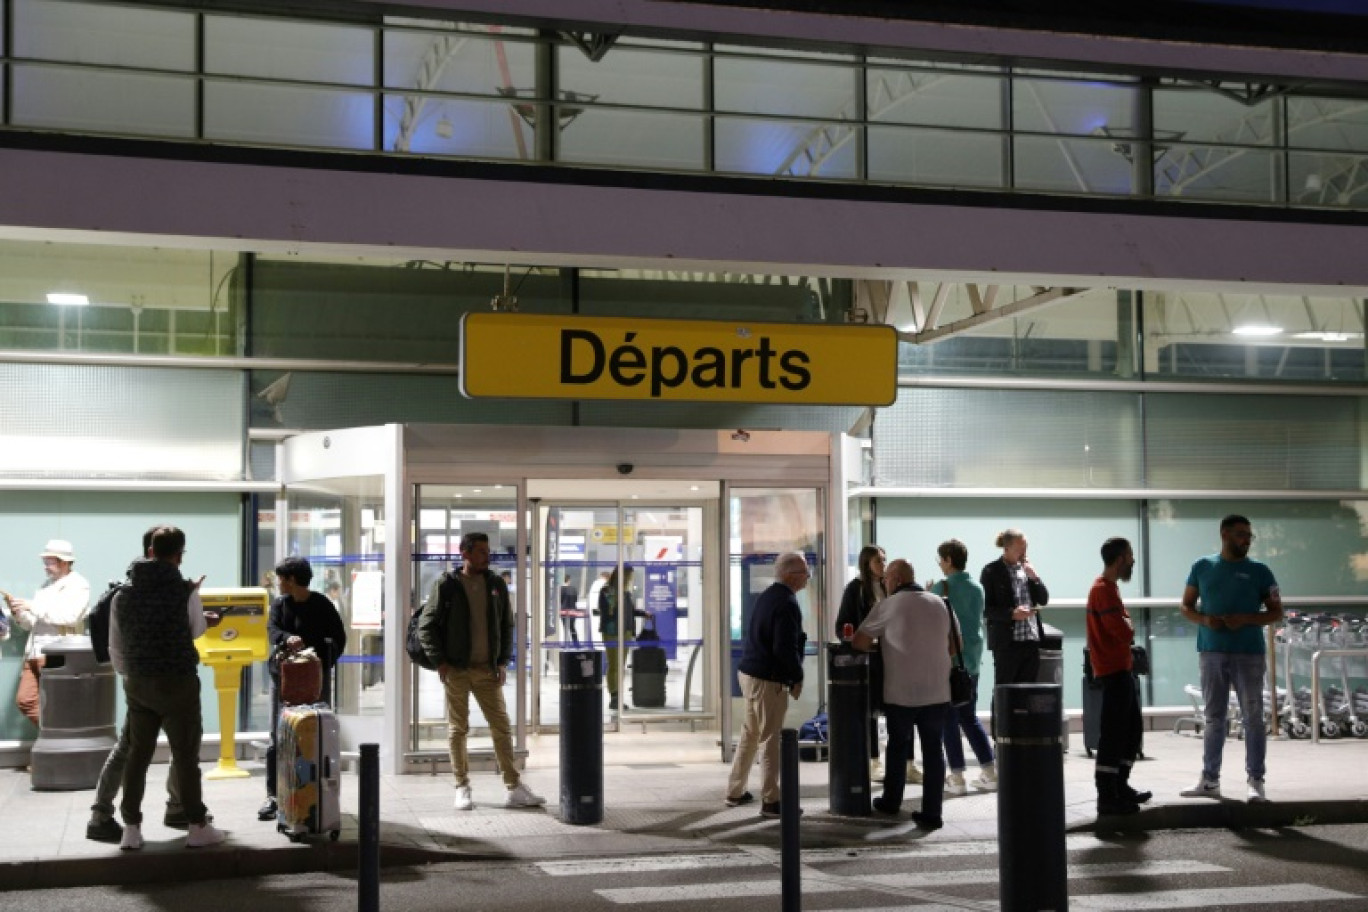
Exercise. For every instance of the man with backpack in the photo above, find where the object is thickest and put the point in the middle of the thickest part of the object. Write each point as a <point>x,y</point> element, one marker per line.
<point>466,631</point>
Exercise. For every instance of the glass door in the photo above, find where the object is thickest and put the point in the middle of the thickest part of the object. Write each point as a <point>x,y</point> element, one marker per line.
<point>763,523</point>
<point>651,559</point>
<point>338,525</point>
<point>443,513</point>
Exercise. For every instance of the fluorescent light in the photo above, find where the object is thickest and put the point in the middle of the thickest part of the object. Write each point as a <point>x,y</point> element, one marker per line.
<point>1257,329</point>
<point>73,300</point>
<point>1325,336</point>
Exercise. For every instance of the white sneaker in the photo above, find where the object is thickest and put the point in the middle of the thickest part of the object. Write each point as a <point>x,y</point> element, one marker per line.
<point>204,834</point>
<point>914,774</point>
<point>987,779</point>
<point>876,771</point>
<point>1256,792</point>
<point>464,800</point>
<point>954,784</point>
<point>520,796</point>
<point>132,837</point>
<point>1205,788</point>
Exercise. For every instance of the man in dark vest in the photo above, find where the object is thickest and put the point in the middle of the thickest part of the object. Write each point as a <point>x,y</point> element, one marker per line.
<point>155,623</point>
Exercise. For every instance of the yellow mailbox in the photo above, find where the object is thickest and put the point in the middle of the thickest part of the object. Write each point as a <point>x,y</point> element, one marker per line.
<point>236,641</point>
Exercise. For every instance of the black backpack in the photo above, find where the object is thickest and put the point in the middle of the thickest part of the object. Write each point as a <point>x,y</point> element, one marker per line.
<point>413,643</point>
<point>97,622</point>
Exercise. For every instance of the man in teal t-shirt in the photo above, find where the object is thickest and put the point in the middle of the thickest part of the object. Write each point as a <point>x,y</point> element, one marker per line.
<point>1238,598</point>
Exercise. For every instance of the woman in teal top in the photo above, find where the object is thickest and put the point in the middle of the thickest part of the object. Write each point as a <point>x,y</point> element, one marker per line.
<point>965,596</point>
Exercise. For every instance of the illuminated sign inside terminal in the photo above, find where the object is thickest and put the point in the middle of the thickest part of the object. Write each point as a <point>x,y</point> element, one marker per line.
<point>529,356</point>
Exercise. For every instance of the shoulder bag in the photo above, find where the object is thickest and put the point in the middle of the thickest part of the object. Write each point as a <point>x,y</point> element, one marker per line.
<point>961,682</point>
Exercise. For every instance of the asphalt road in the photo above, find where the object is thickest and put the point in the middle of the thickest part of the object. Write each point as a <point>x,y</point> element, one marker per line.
<point>1319,869</point>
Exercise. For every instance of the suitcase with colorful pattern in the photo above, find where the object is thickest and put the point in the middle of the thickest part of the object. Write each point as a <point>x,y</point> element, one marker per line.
<point>308,772</point>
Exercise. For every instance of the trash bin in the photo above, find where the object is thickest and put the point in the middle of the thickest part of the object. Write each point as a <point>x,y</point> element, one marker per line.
<point>1052,665</point>
<point>76,717</point>
<point>848,730</point>
<point>581,736</point>
<point>1030,761</point>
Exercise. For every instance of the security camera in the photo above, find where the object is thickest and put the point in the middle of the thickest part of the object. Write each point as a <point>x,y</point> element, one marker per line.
<point>625,468</point>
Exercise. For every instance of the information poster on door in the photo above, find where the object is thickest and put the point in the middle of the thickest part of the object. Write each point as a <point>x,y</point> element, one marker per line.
<point>663,553</point>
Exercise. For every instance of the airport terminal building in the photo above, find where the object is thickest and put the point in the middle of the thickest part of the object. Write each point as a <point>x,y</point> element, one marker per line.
<point>681,286</point>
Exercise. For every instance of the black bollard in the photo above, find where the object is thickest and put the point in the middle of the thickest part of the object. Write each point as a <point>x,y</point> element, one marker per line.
<point>848,730</point>
<point>368,851</point>
<point>790,808</point>
<point>1032,864</point>
<point>581,737</point>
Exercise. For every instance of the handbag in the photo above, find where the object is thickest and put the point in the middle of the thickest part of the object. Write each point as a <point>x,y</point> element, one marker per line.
<point>961,681</point>
<point>1140,663</point>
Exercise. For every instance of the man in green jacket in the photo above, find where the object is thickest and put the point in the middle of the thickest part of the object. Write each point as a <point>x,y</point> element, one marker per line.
<point>467,632</point>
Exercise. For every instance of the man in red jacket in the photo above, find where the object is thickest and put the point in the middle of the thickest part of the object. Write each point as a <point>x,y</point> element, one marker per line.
<point>1110,634</point>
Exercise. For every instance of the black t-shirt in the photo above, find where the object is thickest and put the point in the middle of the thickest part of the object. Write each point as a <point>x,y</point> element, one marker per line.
<point>314,621</point>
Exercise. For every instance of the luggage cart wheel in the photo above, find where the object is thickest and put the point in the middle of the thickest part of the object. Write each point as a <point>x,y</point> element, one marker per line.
<point>1359,729</point>
<point>1299,729</point>
<point>1330,729</point>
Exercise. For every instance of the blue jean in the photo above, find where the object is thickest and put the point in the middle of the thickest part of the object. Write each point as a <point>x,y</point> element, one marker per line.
<point>965,718</point>
<point>929,723</point>
<point>1245,672</point>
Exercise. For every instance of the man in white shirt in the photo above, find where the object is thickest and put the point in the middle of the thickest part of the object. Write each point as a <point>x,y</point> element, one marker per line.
<point>913,630</point>
<point>58,609</point>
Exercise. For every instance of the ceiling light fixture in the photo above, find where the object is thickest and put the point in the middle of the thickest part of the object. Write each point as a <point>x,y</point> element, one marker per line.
<point>1327,336</point>
<point>1257,329</point>
<point>67,299</point>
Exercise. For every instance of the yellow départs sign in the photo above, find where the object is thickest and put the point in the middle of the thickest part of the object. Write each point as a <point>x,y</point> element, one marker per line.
<point>531,356</point>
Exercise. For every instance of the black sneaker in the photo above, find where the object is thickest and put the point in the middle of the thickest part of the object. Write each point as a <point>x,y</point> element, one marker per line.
<point>1131,794</point>
<point>746,798</point>
<point>268,809</point>
<point>882,808</point>
<point>106,830</point>
<point>770,809</point>
<point>925,823</point>
<point>1117,806</point>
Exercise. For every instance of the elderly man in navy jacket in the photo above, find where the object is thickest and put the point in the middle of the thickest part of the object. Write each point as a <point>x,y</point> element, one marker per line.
<point>770,672</point>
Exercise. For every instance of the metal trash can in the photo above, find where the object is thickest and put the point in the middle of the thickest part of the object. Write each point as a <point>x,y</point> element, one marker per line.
<point>848,728</point>
<point>1052,665</point>
<point>1031,850</point>
<point>76,717</point>
<point>581,736</point>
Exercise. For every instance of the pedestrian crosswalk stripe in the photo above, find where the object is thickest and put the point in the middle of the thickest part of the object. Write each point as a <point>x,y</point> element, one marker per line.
<point>730,890</point>
<point>645,864</point>
<point>1075,872</point>
<point>832,884</point>
<point>1273,894</point>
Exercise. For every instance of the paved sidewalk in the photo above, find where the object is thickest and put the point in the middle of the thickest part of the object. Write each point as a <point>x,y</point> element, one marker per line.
<point>662,793</point>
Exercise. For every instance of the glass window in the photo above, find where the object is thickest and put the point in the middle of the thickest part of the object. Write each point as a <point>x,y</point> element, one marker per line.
<point>804,149</point>
<point>289,115</point>
<point>1276,443</point>
<point>1086,333</point>
<point>440,61</point>
<point>1074,108</point>
<point>139,300</point>
<point>1064,537</point>
<point>934,99</point>
<point>1008,439</point>
<point>641,139</point>
<point>99,101</point>
<point>1073,165</point>
<point>106,529</point>
<point>1270,337</point>
<point>283,49</point>
<point>910,155</point>
<point>782,88</point>
<point>103,33</point>
<point>764,523</point>
<point>656,79</point>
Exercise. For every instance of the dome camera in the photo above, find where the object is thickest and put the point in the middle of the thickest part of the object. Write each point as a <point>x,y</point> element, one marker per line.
<point>625,468</point>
